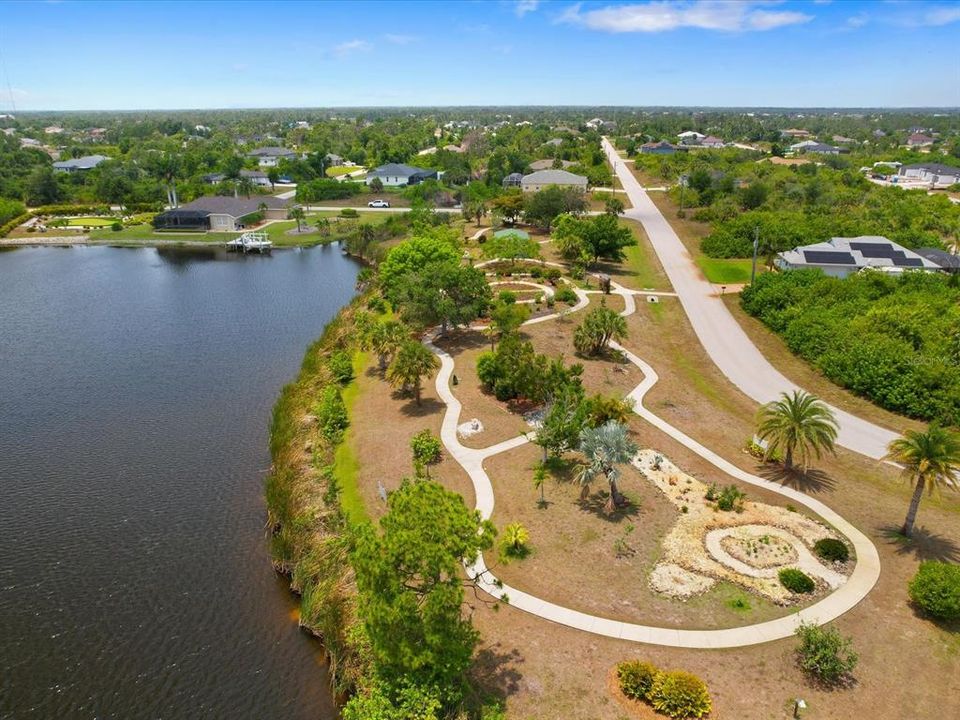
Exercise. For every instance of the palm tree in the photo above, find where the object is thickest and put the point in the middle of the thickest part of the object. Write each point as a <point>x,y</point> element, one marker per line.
<point>929,459</point>
<point>412,361</point>
<point>797,423</point>
<point>606,447</point>
<point>385,338</point>
<point>298,214</point>
<point>245,186</point>
<point>599,327</point>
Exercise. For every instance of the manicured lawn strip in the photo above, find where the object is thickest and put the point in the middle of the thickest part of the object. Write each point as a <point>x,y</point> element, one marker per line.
<point>346,462</point>
<point>643,264</point>
<point>91,222</point>
<point>145,234</point>
<point>727,272</point>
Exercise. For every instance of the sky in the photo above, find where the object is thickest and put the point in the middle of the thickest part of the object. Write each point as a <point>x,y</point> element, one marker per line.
<point>172,55</point>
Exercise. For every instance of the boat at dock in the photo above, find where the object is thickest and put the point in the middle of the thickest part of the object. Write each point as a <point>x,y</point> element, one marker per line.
<point>257,242</point>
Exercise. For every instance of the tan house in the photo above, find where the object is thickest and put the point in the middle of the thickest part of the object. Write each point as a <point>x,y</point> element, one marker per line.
<point>536,181</point>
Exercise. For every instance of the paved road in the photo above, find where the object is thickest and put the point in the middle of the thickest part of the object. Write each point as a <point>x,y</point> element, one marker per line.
<point>719,332</point>
<point>860,582</point>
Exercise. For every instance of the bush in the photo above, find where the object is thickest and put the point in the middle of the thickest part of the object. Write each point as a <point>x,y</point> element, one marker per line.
<point>936,589</point>
<point>341,367</point>
<point>15,222</point>
<point>324,189</point>
<point>117,226</point>
<point>565,295</point>
<point>796,581</point>
<point>332,414</point>
<point>831,549</point>
<point>72,210</point>
<point>513,544</point>
<point>507,297</point>
<point>349,213</point>
<point>426,447</point>
<point>825,654</point>
<point>731,498</point>
<point>636,678</point>
<point>679,694</point>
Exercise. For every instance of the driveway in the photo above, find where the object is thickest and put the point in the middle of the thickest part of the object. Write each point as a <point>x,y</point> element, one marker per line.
<point>719,332</point>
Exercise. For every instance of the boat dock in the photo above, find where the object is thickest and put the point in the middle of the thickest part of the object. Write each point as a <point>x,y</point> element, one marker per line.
<point>257,242</point>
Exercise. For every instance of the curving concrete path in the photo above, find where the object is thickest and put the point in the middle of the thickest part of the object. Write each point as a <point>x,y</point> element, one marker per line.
<point>861,581</point>
<point>719,332</point>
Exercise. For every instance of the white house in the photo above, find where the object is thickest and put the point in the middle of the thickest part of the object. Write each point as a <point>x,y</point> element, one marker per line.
<point>934,173</point>
<point>398,175</point>
<point>270,156</point>
<point>257,177</point>
<point>536,181</point>
<point>840,257</point>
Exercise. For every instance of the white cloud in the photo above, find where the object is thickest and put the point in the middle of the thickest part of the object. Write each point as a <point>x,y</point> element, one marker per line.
<point>663,15</point>
<point>940,16</point>
<point>400,39</point>
<point>351,46</point>
<point>523,7</point>
<point>858,21</point>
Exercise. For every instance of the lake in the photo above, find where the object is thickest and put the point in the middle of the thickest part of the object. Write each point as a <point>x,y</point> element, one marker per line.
<point>135,394</point>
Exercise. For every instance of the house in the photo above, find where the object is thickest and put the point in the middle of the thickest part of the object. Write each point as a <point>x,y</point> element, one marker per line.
<point>948,262</point>
<point>934,173</point>
<point>398,174</point>
<point>257,177</point>
<point>690,135</point>
<point>843,140</point>
<point>658,148</point>
<point>453,148</point>
<point>220,213</point>
<point>536,181</point>
<point>270,156</point>
<point>53,130</point>
<point>213,178</point>
<point>513,180</point>
<point>712,142</point>
<point>821,149</point>
<point>547,164</point>
<point>840,257</point>
<point>554,142</point>
<point>802,145</point>
<point>919,140</point>
<point>87,162</point>
<point>333,160</point>
<point>795,133</point>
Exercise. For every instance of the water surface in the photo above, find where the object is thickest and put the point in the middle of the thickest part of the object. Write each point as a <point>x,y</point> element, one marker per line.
<point>135,393</point>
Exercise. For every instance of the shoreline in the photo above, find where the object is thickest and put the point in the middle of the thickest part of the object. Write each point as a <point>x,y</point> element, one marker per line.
<point>86,241</point>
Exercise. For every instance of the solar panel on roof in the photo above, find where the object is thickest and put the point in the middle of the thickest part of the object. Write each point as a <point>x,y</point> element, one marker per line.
<point>908,262</point>
<point>828,257</point>
<point>876,250</point>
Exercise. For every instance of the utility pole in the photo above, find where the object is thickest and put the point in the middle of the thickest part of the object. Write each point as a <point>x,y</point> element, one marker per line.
<point>756,245</point>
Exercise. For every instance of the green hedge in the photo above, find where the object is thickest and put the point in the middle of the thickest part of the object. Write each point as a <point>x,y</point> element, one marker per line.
<point>831,549</point>
<point>935,589</point>
<point>796,581</point>
<point>16,222</point>
<point>72,210</point>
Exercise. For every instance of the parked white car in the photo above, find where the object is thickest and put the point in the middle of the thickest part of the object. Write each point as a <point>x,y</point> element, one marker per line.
<point>378,204</point>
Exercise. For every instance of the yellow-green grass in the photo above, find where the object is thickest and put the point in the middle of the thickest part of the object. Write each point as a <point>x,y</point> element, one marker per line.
<point>346,462</point>
<point>643,265</point>
<point>727,271</point>
<point>91,222</point>
<point>145,235</point>
<point>337,171</point>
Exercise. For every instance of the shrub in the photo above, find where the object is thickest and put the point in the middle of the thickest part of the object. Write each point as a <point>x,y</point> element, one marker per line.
<point>831,549</point>
<point>679,694</point>
<point>513,544</point>
<point>341,367</point>
<point>507,297</point>
<point>731,498</point>
<point>426,447</point>
<point>349,213</point>
<point>117,226</point>
<point>936,589</point>
<point>325,189</point>
<point>552,275</point>
<point>565,295</point>
<point>796,581</point>
<point>824,653</point>
<point>13,223</point>
<point>636,678</point>
<point>332,414</point>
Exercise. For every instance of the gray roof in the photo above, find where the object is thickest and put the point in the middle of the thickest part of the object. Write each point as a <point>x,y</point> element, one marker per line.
<point>865,251</point>
<point>271,152</point>
<point>554,177</point>
<point>253,174</point>
<point>235,206</point>
<point>81,163</point>
<point>941,257</point>
<point>937,168</point>
<point>820,148</point>
<point>398,170</point>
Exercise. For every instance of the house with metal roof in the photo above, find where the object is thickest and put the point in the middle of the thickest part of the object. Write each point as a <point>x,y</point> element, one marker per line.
<point>840,257</point>
<point>658,148</point>
<point>87,162</point>
<point>536,181</point>
<point>398,174</point>
<point>936,174</point>
<point>948,262</point>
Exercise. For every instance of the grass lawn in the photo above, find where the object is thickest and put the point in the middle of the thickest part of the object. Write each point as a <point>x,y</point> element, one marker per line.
<point>144,234</point>
<point>346,464</point>
<point>338,171</point>
<point>727,271</point>
<point>91,222</point>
